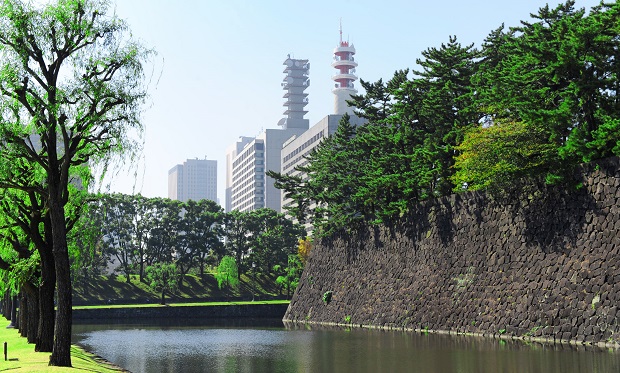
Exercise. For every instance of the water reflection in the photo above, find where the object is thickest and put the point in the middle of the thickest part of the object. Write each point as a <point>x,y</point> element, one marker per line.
<point>271,348</point>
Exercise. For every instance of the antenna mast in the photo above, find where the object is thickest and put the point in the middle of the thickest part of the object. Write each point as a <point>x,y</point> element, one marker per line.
<point>344,63</point>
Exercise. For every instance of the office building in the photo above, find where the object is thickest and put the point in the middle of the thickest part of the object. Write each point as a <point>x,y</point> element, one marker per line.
<point>231,154</point>
<point>195,179</point>
<point>248,160</point>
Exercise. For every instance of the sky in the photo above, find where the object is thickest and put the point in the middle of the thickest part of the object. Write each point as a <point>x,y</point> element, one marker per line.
<point>218,68</point>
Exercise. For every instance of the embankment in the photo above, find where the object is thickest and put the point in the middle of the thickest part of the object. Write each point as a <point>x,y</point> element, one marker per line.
<point>179,312</point>
<point>538,262</point>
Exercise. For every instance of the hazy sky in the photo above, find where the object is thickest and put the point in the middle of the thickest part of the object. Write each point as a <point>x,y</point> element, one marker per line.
<point>219,66</point>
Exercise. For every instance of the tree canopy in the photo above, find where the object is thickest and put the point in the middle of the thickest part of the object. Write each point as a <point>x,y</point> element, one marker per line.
<point>126,233</point>
<point>71,89</point>
<point>533,100</point>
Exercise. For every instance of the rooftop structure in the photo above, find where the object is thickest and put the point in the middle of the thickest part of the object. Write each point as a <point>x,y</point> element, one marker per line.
<point>295,83</point>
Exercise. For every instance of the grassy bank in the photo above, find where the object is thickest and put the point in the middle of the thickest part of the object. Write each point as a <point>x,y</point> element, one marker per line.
<point>117,290</point>
<point>189,304</point>
<point>21,356</point>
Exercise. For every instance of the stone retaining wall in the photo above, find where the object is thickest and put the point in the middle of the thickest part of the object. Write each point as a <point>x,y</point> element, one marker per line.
<point>539,262</point>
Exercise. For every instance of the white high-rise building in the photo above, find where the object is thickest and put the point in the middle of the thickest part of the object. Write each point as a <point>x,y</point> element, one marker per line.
<point>231,154</point>
<point>247,161</point>
<point>195,179</point>
<point>250,188</point>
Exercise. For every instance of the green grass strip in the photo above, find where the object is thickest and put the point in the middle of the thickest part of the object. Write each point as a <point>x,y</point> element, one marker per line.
<point>197,304</point>
<point>21,356</point>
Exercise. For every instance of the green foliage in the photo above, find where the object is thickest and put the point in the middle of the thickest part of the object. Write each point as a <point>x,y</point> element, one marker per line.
<point>534,100</point>
<point>273,241</point>
<point>163,277</point>
<point>136,232</point>
<point>494,156</point>
<point>227,272</point>
<point>549,88</point>
<point>260,239</point>
<point>202,227</point>
<point>327,297</point>
<point>533,331</point>
<point>288,277</point>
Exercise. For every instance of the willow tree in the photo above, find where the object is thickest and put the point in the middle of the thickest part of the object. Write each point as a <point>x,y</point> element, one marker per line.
<point>71,88</point>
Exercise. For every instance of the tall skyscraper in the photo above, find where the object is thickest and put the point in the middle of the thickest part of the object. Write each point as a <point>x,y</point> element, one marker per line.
<point>249,159</point>
<point>231,155</point>
<point>345,64</point>
<point>195,179</point>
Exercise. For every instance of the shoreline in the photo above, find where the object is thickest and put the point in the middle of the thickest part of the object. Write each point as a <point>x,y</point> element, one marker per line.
<point>542,340</point>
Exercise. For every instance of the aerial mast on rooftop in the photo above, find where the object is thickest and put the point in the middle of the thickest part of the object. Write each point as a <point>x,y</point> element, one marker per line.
<point>345,64</point>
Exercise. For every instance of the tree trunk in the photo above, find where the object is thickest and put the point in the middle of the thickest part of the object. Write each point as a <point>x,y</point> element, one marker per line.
<point>45,333</point>
<point>61,353</point>
<point>141,253</point>
<point>6,310</point>
<point>163,297</point>
<point>14,320</point>
<point>23,314</point>
<point>33,317</point>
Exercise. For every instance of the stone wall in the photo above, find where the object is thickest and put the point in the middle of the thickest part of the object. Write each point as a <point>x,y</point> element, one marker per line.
<point>538,262</point>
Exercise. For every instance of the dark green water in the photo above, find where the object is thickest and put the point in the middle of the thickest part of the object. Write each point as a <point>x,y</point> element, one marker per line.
<point>273,348</point>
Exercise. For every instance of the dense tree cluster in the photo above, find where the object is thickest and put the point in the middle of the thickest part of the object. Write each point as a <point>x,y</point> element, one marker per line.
<point>132,233</point>
<point>532,100</point>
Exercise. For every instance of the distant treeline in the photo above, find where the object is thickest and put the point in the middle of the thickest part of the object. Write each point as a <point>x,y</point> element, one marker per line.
<point>136,232</point>
<point>532,100</point>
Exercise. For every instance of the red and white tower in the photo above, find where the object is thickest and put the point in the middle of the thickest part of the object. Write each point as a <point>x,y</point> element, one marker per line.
<point>345,63</point>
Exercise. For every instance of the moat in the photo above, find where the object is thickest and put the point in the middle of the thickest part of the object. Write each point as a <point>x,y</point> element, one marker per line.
<point>268,346</point>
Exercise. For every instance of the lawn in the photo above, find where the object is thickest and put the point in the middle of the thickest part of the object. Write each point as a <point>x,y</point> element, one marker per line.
<point>21,356</point>
<point>240,303</point>
<point>102,290</point>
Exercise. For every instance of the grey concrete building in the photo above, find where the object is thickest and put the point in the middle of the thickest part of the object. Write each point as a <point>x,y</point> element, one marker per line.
<point>195,179</point>
<point>248,160</point>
